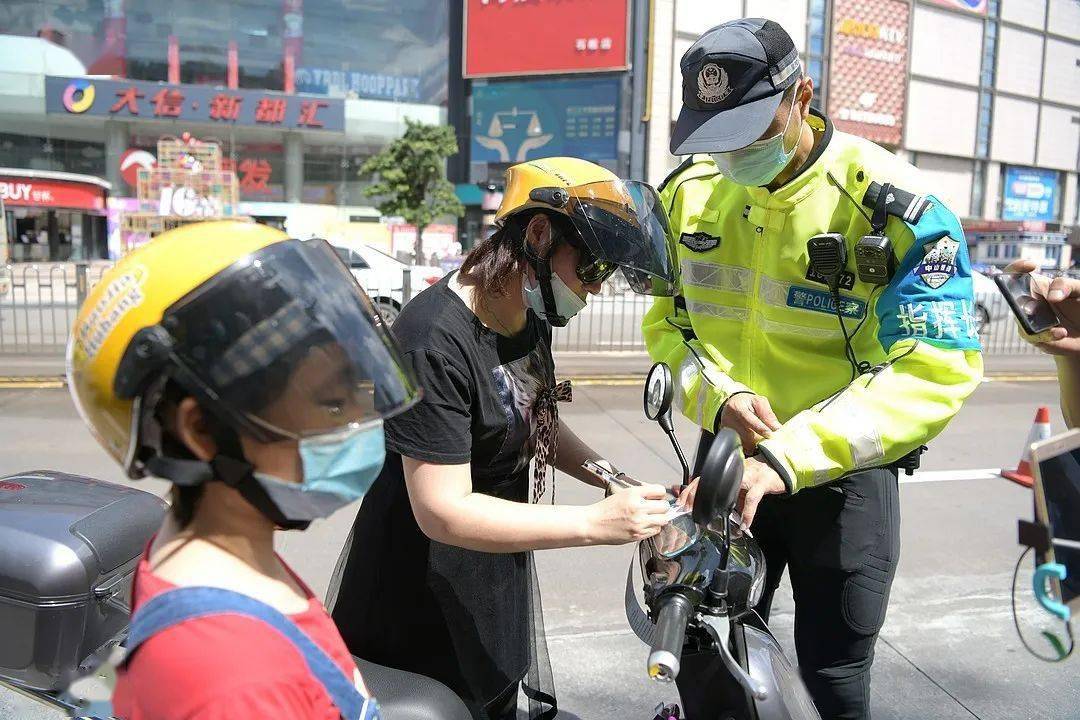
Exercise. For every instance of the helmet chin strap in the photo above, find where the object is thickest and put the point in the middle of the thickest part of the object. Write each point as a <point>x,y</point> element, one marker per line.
<point>228,466</point>
<point>542,267</point>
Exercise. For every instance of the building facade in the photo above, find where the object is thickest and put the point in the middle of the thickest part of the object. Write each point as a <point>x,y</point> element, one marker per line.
<point>298,93</point>
<point>982,95</point>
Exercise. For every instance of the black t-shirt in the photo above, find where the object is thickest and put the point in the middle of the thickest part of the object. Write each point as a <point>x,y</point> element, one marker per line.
<point>457,615</point>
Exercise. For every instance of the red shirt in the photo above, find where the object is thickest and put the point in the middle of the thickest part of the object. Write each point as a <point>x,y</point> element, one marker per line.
<point>227,667</point>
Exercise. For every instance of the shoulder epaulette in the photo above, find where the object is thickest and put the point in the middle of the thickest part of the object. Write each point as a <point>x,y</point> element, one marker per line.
<point>684,165</point>
<point>901,204</point>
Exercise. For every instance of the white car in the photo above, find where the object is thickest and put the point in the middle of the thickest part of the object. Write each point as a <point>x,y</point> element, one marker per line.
<point>989,304</point>
<point>383,277</point>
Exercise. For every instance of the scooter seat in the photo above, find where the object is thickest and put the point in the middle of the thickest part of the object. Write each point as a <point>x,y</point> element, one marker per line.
<point>404,695</point>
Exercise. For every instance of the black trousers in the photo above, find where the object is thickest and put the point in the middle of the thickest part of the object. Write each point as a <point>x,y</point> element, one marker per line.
<point>840,544</point>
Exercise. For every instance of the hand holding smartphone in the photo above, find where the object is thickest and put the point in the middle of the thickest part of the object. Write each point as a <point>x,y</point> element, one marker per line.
<point>1027,303</point>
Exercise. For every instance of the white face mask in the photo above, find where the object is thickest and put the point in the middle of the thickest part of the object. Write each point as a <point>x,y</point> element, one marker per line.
<point>760,162</point>
<point>567,302</point>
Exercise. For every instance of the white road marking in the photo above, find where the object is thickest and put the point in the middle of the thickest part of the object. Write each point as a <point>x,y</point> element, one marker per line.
<point>950,475</point>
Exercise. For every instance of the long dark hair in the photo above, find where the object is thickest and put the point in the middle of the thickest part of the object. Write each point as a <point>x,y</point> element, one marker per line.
<point>493,262</point>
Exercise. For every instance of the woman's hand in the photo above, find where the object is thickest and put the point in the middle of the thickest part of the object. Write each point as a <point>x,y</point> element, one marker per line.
<point>629,515</point>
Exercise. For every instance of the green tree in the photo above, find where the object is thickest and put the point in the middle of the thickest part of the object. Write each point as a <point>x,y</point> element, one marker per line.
<point>411,177</point>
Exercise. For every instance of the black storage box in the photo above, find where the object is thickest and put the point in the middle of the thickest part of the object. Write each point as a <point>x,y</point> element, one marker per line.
<point>68,550</point>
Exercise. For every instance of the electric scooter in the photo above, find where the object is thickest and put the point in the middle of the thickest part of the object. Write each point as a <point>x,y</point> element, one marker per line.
<point>69,546</point>
<point>703,576</point>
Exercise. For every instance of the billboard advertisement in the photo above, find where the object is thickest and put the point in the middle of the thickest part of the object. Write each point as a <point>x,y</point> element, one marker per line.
<point>868,77</point>
<point>517,121</point>
<point>544,37</point>
<point>975,6</point>
<point>1030,194</point>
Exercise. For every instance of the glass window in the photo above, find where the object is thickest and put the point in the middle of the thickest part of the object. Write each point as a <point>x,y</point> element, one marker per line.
<point>42,153</point>
<point>404,57</point>
<point>351,258</point>
<point>978,188</point>
<point>405,49</point>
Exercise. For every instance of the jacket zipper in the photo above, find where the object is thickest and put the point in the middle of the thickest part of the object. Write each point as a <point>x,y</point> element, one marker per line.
<point>752,323</point>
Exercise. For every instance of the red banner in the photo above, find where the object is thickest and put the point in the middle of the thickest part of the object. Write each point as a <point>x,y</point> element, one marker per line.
<point>539,37</point>
<point>868,77</point>
<point>34,192</point>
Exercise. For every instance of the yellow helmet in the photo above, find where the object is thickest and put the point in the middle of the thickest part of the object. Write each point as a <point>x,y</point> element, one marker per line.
<point>621,223</point>
<point>214,306</point>
<point>550,173</point>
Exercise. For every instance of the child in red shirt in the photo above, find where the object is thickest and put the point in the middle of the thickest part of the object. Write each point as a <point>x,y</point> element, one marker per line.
<point>252,372</point>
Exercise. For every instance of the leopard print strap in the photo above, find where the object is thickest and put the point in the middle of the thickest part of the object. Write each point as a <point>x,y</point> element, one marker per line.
<point>547,435</point>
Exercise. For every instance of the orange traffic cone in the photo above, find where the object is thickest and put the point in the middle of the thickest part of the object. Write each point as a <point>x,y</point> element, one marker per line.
<point>1039,431</point>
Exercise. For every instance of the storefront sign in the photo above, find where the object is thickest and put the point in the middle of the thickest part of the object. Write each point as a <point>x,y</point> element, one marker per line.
<point>193,103</point>
<point>35,192</point>
<point>534,37</point>
<point>975,6</point>
<point>517,121</point>
<point>373,86</point>
<point>1030,194</point>
<point>868,77</point>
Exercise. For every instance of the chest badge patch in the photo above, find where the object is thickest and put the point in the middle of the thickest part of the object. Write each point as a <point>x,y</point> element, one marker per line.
<point>939,262</point>
<point>699,241</point>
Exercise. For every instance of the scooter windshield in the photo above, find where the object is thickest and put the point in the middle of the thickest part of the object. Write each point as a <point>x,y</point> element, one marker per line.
<point>675,537</point>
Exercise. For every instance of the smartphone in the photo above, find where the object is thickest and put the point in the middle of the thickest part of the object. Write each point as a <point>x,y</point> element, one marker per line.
<point>1056,466</point>
<point>606,475</point>
<point>1033,312</point>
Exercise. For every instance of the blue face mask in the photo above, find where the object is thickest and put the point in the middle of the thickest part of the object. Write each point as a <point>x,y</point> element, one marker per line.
<point>760,162</point>
<point>339,469</point>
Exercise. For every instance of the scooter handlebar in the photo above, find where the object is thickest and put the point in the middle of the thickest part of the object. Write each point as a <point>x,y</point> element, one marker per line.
<point>675,612</point>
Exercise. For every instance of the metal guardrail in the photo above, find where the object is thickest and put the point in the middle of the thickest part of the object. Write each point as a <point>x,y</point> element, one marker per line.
<point>38,304</point>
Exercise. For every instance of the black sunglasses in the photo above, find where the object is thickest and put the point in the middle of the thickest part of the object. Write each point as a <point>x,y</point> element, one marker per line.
<point>591,269</point>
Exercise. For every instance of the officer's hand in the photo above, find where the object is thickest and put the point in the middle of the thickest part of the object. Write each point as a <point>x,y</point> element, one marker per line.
<point>751,417</point>
<point>1063,294</point>
<point>759,480</point>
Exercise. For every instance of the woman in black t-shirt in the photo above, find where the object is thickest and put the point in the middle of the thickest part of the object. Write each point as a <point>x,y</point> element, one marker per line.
<point>437,576</point>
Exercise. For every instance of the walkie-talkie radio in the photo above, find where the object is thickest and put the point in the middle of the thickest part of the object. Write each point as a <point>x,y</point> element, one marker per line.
<point>828,257</point>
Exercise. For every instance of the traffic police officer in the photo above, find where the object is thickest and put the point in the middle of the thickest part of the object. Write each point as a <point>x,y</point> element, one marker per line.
<point>825,313</point>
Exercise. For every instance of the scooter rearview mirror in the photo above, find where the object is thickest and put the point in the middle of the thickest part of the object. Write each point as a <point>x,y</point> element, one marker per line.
<point>721,478</point>
<point>659,392</point>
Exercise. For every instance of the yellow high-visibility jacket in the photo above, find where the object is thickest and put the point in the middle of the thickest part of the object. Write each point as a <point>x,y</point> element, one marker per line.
<point>752,316</point>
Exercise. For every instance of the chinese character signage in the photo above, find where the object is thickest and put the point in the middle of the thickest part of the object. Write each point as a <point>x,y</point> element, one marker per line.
<point>135,99</point>
<point>975,6</point>
<point>517,121</point>
<point>868,77</point>
<point>536,37</point>
<point>1030,194</point>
